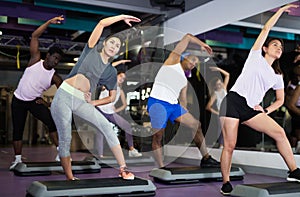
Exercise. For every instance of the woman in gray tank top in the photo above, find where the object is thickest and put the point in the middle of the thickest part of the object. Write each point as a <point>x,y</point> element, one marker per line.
<point>74,95</point>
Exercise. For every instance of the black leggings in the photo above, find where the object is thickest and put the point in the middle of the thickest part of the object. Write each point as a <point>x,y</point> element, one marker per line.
<point>19,111</point>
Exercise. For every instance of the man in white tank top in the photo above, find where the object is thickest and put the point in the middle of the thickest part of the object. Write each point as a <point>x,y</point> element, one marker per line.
<point>170,84</point>
<point>38,77</point>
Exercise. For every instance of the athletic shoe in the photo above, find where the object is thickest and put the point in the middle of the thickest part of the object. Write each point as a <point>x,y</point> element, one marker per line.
<point>134,153</point>
<point>226,189</point>
<point>125,174</point>
<point>13,164</point>
<point>57,158</point>
<point>294,175</point>
<point>209,163</point>
<point>75,179</point>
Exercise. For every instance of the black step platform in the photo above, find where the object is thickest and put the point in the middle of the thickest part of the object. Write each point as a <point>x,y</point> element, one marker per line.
<point>86,187</point>
<point>281,189</point>
<point>192,174</point>
<point>136,161</point>
<point>46,168</point>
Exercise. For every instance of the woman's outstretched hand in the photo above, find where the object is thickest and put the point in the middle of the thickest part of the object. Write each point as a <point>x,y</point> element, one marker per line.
<point>57,20</point>
<point>128,19</point>
<point>287,7</point>
<point>207,48</point>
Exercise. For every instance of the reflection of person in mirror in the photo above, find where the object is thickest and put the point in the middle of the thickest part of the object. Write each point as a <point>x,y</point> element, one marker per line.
<point>74,95</point>
<point>111,113</point>
<point>292,102</point>
<point>170,84</point>
<point>219,91</point>
<point>241,105</point>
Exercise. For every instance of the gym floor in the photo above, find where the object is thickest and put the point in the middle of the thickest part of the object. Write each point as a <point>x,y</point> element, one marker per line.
<point>15,186</point>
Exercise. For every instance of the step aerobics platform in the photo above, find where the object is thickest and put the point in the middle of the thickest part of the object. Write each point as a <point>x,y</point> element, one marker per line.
<point>46,168</point>
<point>279,189</point>
<point>136,161</point>
<point>192,174</point>
<point>103,186</point>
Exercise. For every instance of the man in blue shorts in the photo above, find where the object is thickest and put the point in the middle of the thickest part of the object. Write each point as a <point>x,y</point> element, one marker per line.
<point>170,84</point>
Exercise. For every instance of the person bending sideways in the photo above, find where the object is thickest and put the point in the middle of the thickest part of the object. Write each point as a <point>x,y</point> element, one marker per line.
<point>241,105</point>
<point>74,95</point>
<point>111,113</point>
<point>170,84</point>
<point>39,76</point>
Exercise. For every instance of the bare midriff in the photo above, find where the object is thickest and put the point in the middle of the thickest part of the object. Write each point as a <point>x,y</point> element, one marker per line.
<point>79,82</point>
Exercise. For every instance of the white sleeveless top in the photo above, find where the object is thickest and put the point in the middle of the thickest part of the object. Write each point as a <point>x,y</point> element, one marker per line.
<point>219,97</point>
<point>168,83</point>
<point>109,107</point>
<point>35,80</point>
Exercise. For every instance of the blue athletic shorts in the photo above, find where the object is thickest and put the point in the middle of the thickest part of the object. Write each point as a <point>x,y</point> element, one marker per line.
<point>160,112</point>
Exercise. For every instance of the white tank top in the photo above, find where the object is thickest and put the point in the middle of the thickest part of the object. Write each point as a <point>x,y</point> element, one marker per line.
<point>168,83</point>
<point>219,97</point>
<point>35,80</point>
<point>294,87</point>
<point>109,107</point>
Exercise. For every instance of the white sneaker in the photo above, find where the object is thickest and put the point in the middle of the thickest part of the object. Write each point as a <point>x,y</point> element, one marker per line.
<point>75,179</point>
<point>14,163</point>
<point>134,153</point>
<point>57,158</point>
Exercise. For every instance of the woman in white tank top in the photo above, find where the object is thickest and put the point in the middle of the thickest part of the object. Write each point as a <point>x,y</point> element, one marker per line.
<point>292,102</point>
<point>219,91</point>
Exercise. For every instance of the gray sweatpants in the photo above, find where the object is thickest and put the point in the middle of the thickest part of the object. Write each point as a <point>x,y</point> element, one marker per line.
<point>68,100</point>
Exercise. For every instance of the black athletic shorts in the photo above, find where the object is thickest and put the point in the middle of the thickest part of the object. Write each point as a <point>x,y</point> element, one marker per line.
<point>235,106</point>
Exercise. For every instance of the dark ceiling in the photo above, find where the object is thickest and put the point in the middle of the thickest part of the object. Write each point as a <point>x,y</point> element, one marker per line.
<point>19,18</point>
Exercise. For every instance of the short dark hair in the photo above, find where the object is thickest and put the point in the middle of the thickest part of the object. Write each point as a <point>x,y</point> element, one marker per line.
<point>55,49</point>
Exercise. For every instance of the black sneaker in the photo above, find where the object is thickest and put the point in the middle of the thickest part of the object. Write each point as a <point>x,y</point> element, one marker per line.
<point>209,163</point>
<point>294,175</point>
<point>226,189</point>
